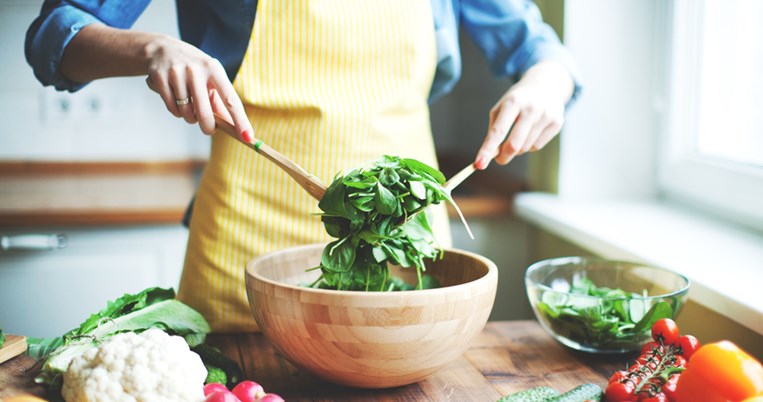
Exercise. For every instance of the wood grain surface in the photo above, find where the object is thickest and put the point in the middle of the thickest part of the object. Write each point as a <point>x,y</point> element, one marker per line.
<point>506,357</point>
<point>13,346</point>
<point>370,339</point>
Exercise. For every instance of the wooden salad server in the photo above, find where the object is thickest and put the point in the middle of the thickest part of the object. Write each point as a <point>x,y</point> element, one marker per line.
<point>313,185</point>
<point>459,177</point>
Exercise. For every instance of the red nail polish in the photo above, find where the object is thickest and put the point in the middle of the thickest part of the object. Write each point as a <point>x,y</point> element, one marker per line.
<point>246,136</point>
<point>481,163</point>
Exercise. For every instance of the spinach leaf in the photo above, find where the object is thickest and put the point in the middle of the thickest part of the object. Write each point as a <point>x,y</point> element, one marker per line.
<point>378,215</point>
<point>622,320</point>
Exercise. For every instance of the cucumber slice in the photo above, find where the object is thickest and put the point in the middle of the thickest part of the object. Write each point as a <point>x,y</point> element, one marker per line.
<point>582,393</point>
<point>539,394</point>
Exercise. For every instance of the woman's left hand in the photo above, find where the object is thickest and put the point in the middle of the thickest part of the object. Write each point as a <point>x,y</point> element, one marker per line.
<point>533,109</point>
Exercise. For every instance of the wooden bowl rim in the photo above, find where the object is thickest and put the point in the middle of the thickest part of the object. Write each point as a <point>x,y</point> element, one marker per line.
<point>490,276</point>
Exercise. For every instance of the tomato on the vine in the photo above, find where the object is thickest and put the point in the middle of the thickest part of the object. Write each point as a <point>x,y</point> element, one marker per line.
<point>688,344</point>
<point>666,331</point>
<point>620,392</point>
<point>679,361</point>
<point>650,347</point>
<point>649,360</point>
<point>669,389</point>
<point>658,397</point>
<point>618,376</point>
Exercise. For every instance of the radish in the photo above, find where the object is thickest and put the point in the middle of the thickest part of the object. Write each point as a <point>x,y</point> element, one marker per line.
<point>222,396</point>
<point>270,398</point>
<point>214,387</point>
<point>248,391</point>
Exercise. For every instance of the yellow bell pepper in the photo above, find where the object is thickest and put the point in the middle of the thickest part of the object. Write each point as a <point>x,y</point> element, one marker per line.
<point>720,372</point>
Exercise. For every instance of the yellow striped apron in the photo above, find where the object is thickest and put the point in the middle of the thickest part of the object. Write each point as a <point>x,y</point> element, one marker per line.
<point>332,84</point>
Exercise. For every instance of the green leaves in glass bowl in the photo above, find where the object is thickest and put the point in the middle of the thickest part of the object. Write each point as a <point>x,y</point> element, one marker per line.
<point>378,215</point>
<point>594,318</point>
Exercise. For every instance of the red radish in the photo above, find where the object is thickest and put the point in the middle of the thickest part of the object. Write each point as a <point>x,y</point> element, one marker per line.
<point>248,391</point>
<point>222,396</point>
<point>270,398</point>
<point>213,387</point>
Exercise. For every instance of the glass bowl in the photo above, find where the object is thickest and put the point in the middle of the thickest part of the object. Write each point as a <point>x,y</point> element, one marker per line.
<point>602,306</point>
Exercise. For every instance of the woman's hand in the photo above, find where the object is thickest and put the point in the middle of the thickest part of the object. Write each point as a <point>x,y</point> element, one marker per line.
<point>533,109</point>
<point>192,84</point>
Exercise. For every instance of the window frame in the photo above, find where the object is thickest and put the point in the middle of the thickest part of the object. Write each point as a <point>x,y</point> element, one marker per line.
<point>726,189</point>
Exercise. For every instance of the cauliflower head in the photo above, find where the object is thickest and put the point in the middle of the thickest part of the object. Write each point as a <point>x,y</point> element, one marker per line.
<point>148,367</point>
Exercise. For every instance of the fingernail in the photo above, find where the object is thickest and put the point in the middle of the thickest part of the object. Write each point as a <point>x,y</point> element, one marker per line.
<point>481,163</point>
<point>246,136</point>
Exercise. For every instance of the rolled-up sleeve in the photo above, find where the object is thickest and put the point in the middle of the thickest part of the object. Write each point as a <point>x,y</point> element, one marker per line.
<point>513,37</point>
<point>59,21</point>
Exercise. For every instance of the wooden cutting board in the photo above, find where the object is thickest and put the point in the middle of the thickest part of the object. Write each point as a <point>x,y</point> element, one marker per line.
<point>14,345</point>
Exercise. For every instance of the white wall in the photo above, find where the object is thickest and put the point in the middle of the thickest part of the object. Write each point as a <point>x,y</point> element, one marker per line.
<point>112,119</point>
<point>607,148</point>
<point>460,119</point>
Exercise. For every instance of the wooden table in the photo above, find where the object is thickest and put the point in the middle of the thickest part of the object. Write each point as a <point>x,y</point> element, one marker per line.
<point>507,357</point>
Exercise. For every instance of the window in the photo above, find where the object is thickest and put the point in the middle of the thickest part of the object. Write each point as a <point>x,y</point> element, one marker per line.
<point>713,153</point>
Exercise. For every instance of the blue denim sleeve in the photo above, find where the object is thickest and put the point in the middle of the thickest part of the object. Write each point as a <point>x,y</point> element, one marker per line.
<point>513,37</point>
<point>59,21</point>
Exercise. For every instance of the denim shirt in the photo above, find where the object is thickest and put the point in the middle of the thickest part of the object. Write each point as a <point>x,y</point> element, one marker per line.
<point>510,33</point>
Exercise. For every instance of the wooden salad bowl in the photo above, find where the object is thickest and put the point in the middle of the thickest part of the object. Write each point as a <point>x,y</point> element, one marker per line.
<point>370,339</point>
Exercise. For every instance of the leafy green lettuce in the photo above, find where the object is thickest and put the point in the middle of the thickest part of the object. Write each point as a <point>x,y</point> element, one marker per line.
<point>620,322</point>
<point>152,308</point>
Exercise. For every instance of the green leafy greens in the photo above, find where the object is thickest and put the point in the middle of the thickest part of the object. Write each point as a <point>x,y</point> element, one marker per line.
<point>620,322</point>
<point>152,308</point>
<point>374,213</point>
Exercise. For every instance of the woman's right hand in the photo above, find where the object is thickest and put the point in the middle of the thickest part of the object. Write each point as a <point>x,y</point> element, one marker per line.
<point>178,71</point>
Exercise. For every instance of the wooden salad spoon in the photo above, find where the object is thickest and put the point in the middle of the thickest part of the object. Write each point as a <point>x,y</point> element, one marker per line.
<point>313,185</point>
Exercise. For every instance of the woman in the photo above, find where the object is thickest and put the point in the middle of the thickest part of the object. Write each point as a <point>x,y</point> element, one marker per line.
<point>329,83</point>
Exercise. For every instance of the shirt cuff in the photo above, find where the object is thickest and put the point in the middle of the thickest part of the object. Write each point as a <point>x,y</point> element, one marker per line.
<point>45,47</point>
<point>542,51</point>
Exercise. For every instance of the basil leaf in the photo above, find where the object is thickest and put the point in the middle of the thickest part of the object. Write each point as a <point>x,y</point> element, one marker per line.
<point>384,201</point>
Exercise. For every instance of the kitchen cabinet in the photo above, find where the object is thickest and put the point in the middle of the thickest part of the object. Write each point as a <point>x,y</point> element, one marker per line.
<point>76,235</point>
<point>48,291</point>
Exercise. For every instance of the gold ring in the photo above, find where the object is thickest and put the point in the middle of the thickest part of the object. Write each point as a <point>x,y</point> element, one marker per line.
<point>181,102</point>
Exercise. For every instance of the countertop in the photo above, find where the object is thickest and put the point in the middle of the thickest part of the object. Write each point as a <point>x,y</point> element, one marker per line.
<point>507,357</point>
<point>94,193</point>
<point>119,193</point>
